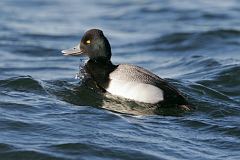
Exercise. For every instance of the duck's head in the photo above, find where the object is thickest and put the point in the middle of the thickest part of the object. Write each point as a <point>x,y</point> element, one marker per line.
<point>93,44</point>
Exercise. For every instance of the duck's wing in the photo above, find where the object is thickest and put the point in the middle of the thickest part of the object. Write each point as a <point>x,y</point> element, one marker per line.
<point>131,73</point>
<point>134,73</point>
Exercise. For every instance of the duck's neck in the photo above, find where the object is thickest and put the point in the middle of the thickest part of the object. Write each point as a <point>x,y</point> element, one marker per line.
<point>101,60</point>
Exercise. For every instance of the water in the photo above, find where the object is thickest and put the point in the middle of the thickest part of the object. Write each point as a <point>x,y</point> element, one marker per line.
<point>45,113</point>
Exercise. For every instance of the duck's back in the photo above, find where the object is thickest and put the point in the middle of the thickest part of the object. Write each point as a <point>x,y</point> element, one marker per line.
<point>129,72</point>
<point>139,84</point>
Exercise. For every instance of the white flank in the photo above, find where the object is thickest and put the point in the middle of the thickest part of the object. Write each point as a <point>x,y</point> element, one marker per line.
<point>140,92</point>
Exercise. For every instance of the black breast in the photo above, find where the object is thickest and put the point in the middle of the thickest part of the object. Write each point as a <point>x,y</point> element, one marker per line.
<point>99,71</point>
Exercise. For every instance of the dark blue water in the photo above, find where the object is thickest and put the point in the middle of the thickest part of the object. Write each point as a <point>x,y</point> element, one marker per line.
<point>45,113</point>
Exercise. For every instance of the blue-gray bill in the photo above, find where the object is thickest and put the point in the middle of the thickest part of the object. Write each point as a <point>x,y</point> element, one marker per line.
<point>72,51</point>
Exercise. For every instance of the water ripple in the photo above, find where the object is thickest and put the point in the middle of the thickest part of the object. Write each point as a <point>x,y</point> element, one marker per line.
<point>23,83</point>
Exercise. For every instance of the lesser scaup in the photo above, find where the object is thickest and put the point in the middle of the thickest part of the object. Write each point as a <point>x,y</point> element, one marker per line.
<point>123,80</point>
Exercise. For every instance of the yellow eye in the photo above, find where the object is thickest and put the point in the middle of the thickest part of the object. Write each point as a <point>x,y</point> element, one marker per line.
<point>88,41</point>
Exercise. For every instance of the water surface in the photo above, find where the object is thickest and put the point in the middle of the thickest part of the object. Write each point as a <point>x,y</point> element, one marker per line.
<point>45,113</point>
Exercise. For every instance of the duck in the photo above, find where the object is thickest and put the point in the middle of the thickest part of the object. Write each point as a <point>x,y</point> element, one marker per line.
<point>123,80</point>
